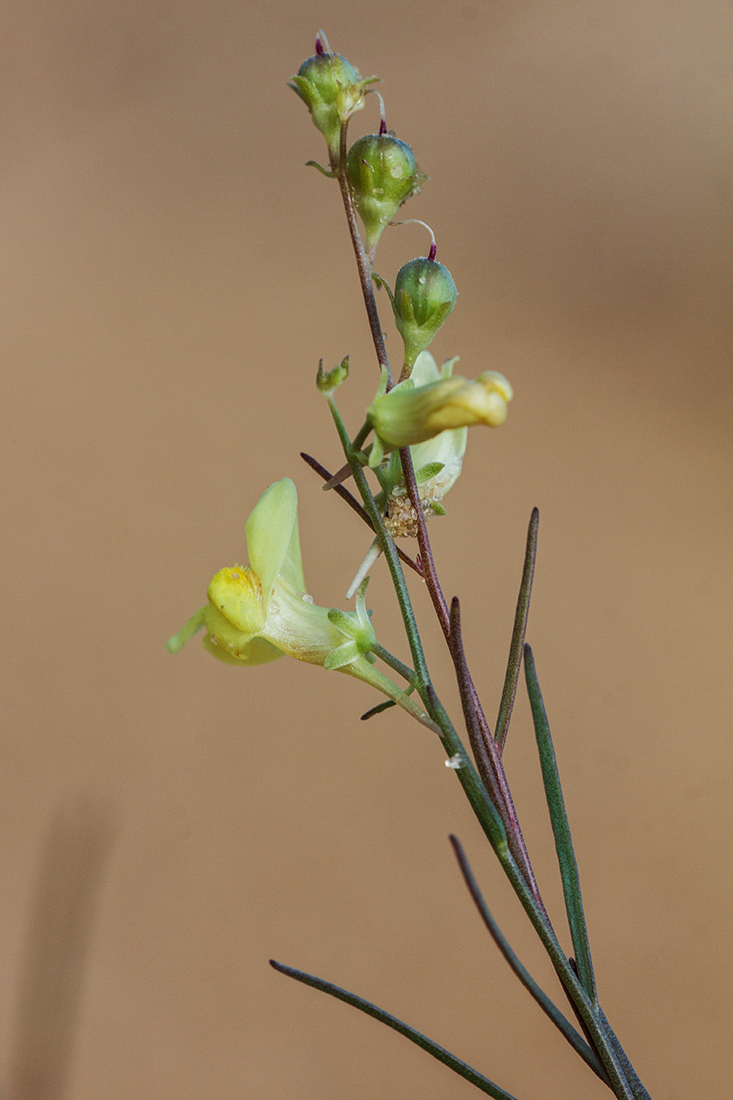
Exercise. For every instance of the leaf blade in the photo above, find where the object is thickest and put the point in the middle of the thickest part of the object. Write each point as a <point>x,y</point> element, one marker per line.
<point>521,615</point>
<point>576,1040</point>
<point>438,1052</point>
<point>561,831</point>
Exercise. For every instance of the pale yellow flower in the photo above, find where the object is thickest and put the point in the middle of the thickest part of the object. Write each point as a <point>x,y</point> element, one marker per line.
<point>261,611</point>
<point>411,414</point>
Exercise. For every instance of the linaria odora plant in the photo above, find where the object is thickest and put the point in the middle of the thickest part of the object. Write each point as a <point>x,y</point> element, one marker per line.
<point>332,90</point>
<point>423,299</point>
<point>437,461</point>
<point>259,612</point>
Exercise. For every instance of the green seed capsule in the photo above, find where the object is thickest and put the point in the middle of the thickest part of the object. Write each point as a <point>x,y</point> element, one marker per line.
<point>424,296</point>
<point>382,175</point>
<point>332,90</point>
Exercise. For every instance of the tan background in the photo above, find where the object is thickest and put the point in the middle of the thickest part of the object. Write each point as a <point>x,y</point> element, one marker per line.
<point>172,274</point>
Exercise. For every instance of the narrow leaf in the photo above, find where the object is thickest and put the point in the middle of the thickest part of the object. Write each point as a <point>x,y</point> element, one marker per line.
<point>520,627</point>
<point>486,752</point>
<point>561,831</point>
<point>424,473</point>
<point>416,1037</point>
<point>550,1009</point>
<point>377,710</point>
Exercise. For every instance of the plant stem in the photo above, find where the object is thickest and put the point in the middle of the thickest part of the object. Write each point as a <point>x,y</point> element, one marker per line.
<point>353,503</point>
<point>389,550</point>
<point>394,663</point>
<point>470,780</point>
<point>569,979</point>
<point>548,1007</point>
<point>362,260</point>
<point>499,785</point>
<point>504,800</point>
<point>487,757</point>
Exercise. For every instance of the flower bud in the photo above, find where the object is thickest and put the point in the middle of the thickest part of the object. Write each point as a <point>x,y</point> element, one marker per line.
<point>327,381</point>
<point>382,174</point>
<point>411,414</point>
<point>424,296</point>
<point>332,90</point>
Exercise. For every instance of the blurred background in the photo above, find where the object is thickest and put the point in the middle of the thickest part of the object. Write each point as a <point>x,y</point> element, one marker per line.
<point>172,274</point>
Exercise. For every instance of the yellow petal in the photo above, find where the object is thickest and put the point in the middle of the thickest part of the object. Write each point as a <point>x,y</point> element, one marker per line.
<point>236,593</point>
<point>272,538</point>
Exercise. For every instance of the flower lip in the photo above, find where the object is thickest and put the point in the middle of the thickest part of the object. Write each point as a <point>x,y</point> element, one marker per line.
<point>237,593</point>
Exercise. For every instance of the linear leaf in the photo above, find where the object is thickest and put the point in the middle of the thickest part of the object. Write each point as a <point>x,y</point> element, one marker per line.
<point>632,1077</point>
<point>561,1022</point>
<point>561,831</point>
<point>520,627</point>
<point>416,1037</point>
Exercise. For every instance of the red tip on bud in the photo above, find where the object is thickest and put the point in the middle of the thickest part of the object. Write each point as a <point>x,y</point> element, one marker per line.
<point>433,250</point>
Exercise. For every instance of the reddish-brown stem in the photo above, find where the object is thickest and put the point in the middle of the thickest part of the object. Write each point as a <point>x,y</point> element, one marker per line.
<point>504,803</point>
<point>499,788</point>
<point>362,260</point>
<point>426,553</point>
<point>354,504</point>
<point>488,758</point>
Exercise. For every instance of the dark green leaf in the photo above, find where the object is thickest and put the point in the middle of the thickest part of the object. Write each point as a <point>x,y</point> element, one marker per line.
<point>520,626</point>
<point>574,1037</point>
<point>416,1037</point>
<point>561,831</point>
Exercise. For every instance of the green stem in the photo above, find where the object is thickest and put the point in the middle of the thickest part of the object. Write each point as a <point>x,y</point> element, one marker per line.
<point>361,435</point>
<point>387,545</point>
<point>486,754</point>
<point>587,1011</point>
<point>394,663</point>
<point>468,776</point>
<point>470,780</point>
<point>369,674</point>
<point>638,1089</point>
<point>352,502</point>
<point>576,1040</point>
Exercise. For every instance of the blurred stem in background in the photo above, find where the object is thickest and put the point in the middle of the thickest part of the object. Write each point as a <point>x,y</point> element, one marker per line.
<point>74,859</point>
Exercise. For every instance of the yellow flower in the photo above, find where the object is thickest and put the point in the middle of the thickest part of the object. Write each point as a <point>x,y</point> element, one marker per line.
<point>261,611</point>
<point>411,414</point>
<point>446,449</point>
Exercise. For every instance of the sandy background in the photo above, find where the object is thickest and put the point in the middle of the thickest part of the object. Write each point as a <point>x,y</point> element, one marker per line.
<point>171,276</point>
